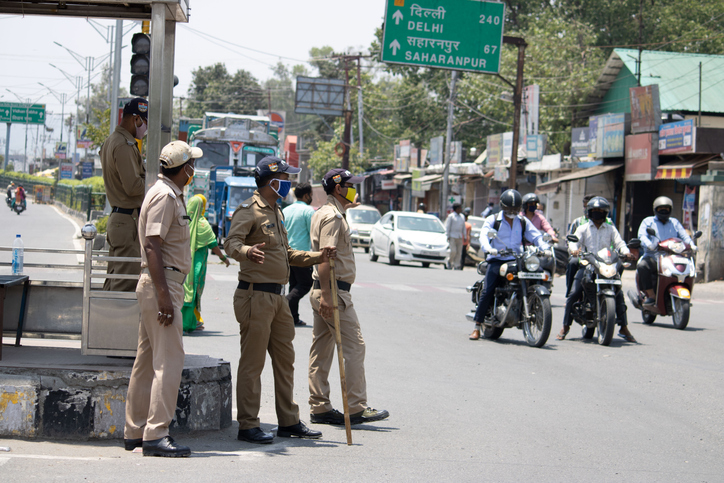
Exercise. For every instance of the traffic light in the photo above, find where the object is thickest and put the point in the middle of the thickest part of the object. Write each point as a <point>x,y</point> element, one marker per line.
<point>140,64</point>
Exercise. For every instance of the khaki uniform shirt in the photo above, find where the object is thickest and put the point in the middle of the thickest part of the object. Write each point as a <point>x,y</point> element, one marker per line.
<point>330,229</point>
<point>164,214</point>
<point>254,222</point>
<point>124,173</point>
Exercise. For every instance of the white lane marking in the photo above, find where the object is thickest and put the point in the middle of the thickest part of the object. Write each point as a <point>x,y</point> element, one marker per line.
<point>61,458</point>
<point>399,287</point>
<point>3,461</point>
<point>78,242</point>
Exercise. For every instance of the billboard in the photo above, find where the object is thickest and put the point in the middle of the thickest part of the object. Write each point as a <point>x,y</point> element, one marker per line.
<point>645,109</point>
<point>677,137</point>
<point>531,97</point>
<point>641,159</point>
<point>579,142</point>
<point>324,97</point>
<point>437,146</point>
<point>535,147</point>
<point>495,150</point>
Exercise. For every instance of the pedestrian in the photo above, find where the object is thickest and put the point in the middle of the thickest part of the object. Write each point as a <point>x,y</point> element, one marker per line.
<point>202,240</point>
<point>298,221</point>
<point>258,240</point>
<point>124,176</point>
<point>421,208</point>
<point>488,211</point>
<point>163,232</point>
<point>330,228</point>
<point>455,231</point>
<point>466,239</point>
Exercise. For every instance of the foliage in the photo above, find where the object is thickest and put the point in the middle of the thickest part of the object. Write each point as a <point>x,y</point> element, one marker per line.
<point>101,224</point>
<point>26,177</point>
<point>213,89</point>
<point>99,133</point>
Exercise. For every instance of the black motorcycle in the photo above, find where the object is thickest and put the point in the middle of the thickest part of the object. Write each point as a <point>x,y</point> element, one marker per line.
<point>19,207</point>
<point>596,309</point>
<point>521,301</point>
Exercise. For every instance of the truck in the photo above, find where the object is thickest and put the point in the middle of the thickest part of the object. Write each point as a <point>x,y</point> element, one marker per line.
<point>233,144</point>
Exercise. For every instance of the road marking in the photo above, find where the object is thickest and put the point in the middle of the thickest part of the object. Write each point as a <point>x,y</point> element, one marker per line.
<point>399,287</point>
<point>78,242</point>
<point>3,461</point>
<point>49,457</point>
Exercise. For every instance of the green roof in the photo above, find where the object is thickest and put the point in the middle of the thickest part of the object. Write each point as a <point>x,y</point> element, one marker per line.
<point>676,73</point>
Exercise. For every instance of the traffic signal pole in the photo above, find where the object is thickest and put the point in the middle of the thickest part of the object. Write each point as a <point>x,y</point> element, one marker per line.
<point>155,92</point>
<point>117,59</point>
<point>169,49</point>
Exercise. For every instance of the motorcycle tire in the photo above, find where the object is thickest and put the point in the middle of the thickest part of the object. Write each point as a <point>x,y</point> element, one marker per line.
<point>648,317</point>
<point>587,332</point>
<point>538,327</point>
<point>680,313</point>
<point>492,333</point>
<point>606,320</point>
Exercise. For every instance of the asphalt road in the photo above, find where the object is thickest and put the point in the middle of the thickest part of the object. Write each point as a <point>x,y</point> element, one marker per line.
<point>460,410</point>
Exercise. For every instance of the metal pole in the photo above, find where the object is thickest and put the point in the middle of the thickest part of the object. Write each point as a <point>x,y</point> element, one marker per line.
<point>698,124</point>
<point>62,116</point>
<point>116,74</point>
<point>27,109</point>
<point>448,146</point>
<point>347,118</point>
<point>517,98</point>
<point>153,145</point>
<point>7,148</point>
<point>110,65</point>
<point>167,86</point>
<point>360,109</point>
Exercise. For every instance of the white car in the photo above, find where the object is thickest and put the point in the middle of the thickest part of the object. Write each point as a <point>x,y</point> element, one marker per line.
<point>360,220</point>
<point>409,237</point>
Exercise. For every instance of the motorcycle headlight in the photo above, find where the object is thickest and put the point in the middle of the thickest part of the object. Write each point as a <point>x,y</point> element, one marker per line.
<point>608,271</point>
<point>667,267</point>
<point>532,264</point>
<point>677,247</point>
<point>503,269</point>
<point>482,268</point>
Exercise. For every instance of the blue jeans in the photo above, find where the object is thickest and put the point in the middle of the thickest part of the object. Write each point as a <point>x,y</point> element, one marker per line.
<point>492,280</point>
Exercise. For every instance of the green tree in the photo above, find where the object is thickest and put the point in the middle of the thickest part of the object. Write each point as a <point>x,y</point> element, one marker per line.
<point>213,89</point>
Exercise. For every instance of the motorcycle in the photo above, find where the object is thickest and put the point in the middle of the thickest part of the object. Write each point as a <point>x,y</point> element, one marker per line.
<point>521,301</point>
<point>19,207</point>
<point>9,202</point>
<point>676,274</point>
<point>596,309</point>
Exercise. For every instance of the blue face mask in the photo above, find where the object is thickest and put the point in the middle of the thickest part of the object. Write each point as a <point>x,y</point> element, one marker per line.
<point>284,187</point>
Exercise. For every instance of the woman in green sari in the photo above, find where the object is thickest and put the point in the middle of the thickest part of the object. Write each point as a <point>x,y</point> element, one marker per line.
<point>202,239</point>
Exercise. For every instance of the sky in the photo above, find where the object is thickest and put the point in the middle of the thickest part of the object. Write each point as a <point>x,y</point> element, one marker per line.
<point>283,30</point>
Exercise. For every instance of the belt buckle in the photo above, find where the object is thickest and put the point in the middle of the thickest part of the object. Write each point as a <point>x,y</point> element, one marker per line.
<point>284,290</point>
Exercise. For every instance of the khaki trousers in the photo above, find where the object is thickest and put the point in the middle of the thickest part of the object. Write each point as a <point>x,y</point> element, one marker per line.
<point>122,237</point>
<point>265,325</point>
<point>321,355</point>
<point>156,376</point>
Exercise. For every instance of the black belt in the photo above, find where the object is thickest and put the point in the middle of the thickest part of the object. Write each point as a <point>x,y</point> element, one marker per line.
<point>262,287</point>
<point>173,268</point>
<point>344,286</point>
<point>124,211</point>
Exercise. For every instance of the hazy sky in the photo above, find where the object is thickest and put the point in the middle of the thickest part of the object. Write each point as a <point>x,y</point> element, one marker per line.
<point>285,30</point>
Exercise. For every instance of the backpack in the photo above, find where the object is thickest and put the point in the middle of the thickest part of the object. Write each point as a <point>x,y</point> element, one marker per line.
<point>498,221</point>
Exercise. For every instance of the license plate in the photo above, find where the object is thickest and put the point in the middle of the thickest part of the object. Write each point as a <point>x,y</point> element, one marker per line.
<point>681,260</point>
<point>429,253</point>
<point>532,276</point>
<point>609,282</point>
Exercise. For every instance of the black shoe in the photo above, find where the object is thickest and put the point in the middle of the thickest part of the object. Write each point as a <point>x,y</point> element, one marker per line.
<point>368,415</point>
<point>255,435</point>
<point>330,417</point>
<point>299,430</point>
<point>300,323</point>
<point>165,446</point>
<point>131,444</point>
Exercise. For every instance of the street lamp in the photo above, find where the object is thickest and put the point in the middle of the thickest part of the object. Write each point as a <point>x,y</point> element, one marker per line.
<point>28,102</point>
<point>62,98</point>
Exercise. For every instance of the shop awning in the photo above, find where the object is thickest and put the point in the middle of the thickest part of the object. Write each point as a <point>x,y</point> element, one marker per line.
<point>402,177</point>
<point>551,162</point>
<point>424,183</point>
<point>681,170</point>
<point>553,184</point>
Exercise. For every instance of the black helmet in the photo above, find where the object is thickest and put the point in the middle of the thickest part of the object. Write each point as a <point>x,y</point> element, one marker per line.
<point>511,202</point>
<point>530,198</point>
<point>662,208</point>
<point>598,203</point>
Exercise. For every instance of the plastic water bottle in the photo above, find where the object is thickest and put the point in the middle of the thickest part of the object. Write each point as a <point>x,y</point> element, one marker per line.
<point>18,255</point>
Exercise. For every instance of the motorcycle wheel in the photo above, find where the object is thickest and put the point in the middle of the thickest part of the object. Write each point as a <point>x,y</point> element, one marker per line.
<point>373,257</point>
<point>492,333</point>
<point>606,320</point>
<point>681,313</point>
<point>587,333</point>
<point>648,317</point>
<point>538,327</point>
<point>392,259</point>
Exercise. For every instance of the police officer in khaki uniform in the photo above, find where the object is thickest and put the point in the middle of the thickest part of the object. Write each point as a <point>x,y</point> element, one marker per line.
<point>329,227</point>
<point>124,176</point>
<point>258,240</point>
<point>163,230</point>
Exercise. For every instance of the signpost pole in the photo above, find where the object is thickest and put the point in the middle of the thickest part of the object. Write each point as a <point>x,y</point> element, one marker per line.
<point>7,148</point>
<point>448,146</point>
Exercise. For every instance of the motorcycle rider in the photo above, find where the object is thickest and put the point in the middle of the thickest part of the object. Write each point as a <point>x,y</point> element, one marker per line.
<point>512,229</point>
<point>530,211</point>
<point>665,227</point>
<point>19,196</point>
<point>572,267</point>
<point>593,236</point>
<point>11,193</point>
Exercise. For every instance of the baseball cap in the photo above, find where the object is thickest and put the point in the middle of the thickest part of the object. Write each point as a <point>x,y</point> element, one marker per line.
<point>177,153</point>
<point>138,106</point>
<point>271,165</point>
<point>340,175</point>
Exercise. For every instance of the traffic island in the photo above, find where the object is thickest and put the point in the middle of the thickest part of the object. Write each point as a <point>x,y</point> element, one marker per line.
<point>57,393</point>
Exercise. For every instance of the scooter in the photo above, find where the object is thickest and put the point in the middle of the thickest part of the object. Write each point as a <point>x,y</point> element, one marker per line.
<point>675,282</point>
<point>19,207</point>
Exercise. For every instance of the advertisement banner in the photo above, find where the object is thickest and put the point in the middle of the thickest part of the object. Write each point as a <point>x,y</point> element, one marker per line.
<point>677,137</point>
<point>640,157</point>
<point>87,169</point>
<point>61,150</point>
<point>645,109</point>
<point>611,136</point>
<point>495,150</point>
<point>579,142</point>
<point>457,152</point>
<point>531,96</point>
<point>535,146</point>
<point>82,140</point>
<point>66,171</point>
<point>436,150</point>
<point>689,198</point>
<point>592,136</point>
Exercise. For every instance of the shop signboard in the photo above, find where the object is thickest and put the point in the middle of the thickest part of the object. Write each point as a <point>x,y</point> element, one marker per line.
<point>592,136</point>
<point>531,96</point>
<point>495,150</point>
<point>641,157</point>
<point>677,137</point>
<point>66,171</point>
<point>610,136</point>
<point>87,169</point>
<point>645,109</point>
<point>535,146</point>
<point>436,150</point>
<point>579,142</point>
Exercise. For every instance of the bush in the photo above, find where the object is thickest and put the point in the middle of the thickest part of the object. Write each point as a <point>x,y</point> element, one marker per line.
<point>101,224</point>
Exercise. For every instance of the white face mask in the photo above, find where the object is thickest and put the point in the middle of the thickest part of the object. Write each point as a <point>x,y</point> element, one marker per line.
<point>141,130</point>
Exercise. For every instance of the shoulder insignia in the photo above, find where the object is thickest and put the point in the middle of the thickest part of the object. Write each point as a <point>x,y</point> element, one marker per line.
<point>245,205</point>
<point>339,215</point>
<point>131,143</point>
<point>172,194</point>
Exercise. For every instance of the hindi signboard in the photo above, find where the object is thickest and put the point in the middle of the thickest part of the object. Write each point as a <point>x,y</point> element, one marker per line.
<point>22,113</point>
<point>447,34</point>
<point>677,137</point>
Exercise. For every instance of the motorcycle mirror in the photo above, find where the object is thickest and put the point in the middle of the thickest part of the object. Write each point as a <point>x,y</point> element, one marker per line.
<point>634,243</point>
<point>492,234</point>
<point>650,231</point>
<point>698,234</point>
<point>572,238</point>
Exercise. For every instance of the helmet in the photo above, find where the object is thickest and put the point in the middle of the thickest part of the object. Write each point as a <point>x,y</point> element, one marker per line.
<point>467,210</point>
<point>421,206</point>
<point>598,203</point>
<point>530,198</point>
<point>662,208</point>
<point>511,202</point>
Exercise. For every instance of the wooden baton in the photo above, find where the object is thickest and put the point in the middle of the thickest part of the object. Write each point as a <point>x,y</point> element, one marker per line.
<point>338,337</point>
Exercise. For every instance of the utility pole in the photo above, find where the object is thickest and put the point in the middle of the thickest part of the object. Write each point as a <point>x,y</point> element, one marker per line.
<point>517,101</point>
<point>698,124</point>
<point>448,146</point>
<point>641,41</point>
<point>359,107</point>
<point>346,138</point>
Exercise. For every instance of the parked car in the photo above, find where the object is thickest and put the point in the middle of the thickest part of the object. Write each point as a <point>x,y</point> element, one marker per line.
<point>409,237</point>
<point>361,219</point>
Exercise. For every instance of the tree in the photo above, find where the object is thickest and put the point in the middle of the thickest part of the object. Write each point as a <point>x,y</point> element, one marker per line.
<point>213,89</point>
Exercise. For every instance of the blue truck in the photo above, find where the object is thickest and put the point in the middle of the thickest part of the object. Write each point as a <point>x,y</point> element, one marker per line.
<point>226,193</point>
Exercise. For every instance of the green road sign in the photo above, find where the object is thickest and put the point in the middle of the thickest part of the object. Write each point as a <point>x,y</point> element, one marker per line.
<point>17,112</point>
<point>448,34</point>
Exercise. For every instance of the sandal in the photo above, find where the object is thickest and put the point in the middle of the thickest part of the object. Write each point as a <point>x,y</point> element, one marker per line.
<point>627,338</point>
<point>563,333</point>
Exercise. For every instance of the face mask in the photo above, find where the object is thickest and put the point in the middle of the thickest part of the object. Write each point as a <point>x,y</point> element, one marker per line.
<point>531,208</point>
<point>597,215</point>
<point>191,176</point>
<point>141,130</point>
<point>351,194</point>
<point>663,215</point>
<point>284,186</point>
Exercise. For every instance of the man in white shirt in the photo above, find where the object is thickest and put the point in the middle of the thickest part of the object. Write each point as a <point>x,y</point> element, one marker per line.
<point>455,231</point>
<point>593,236</point>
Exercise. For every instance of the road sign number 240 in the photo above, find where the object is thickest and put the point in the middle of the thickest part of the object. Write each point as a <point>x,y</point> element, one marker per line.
<point>492,19</point>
